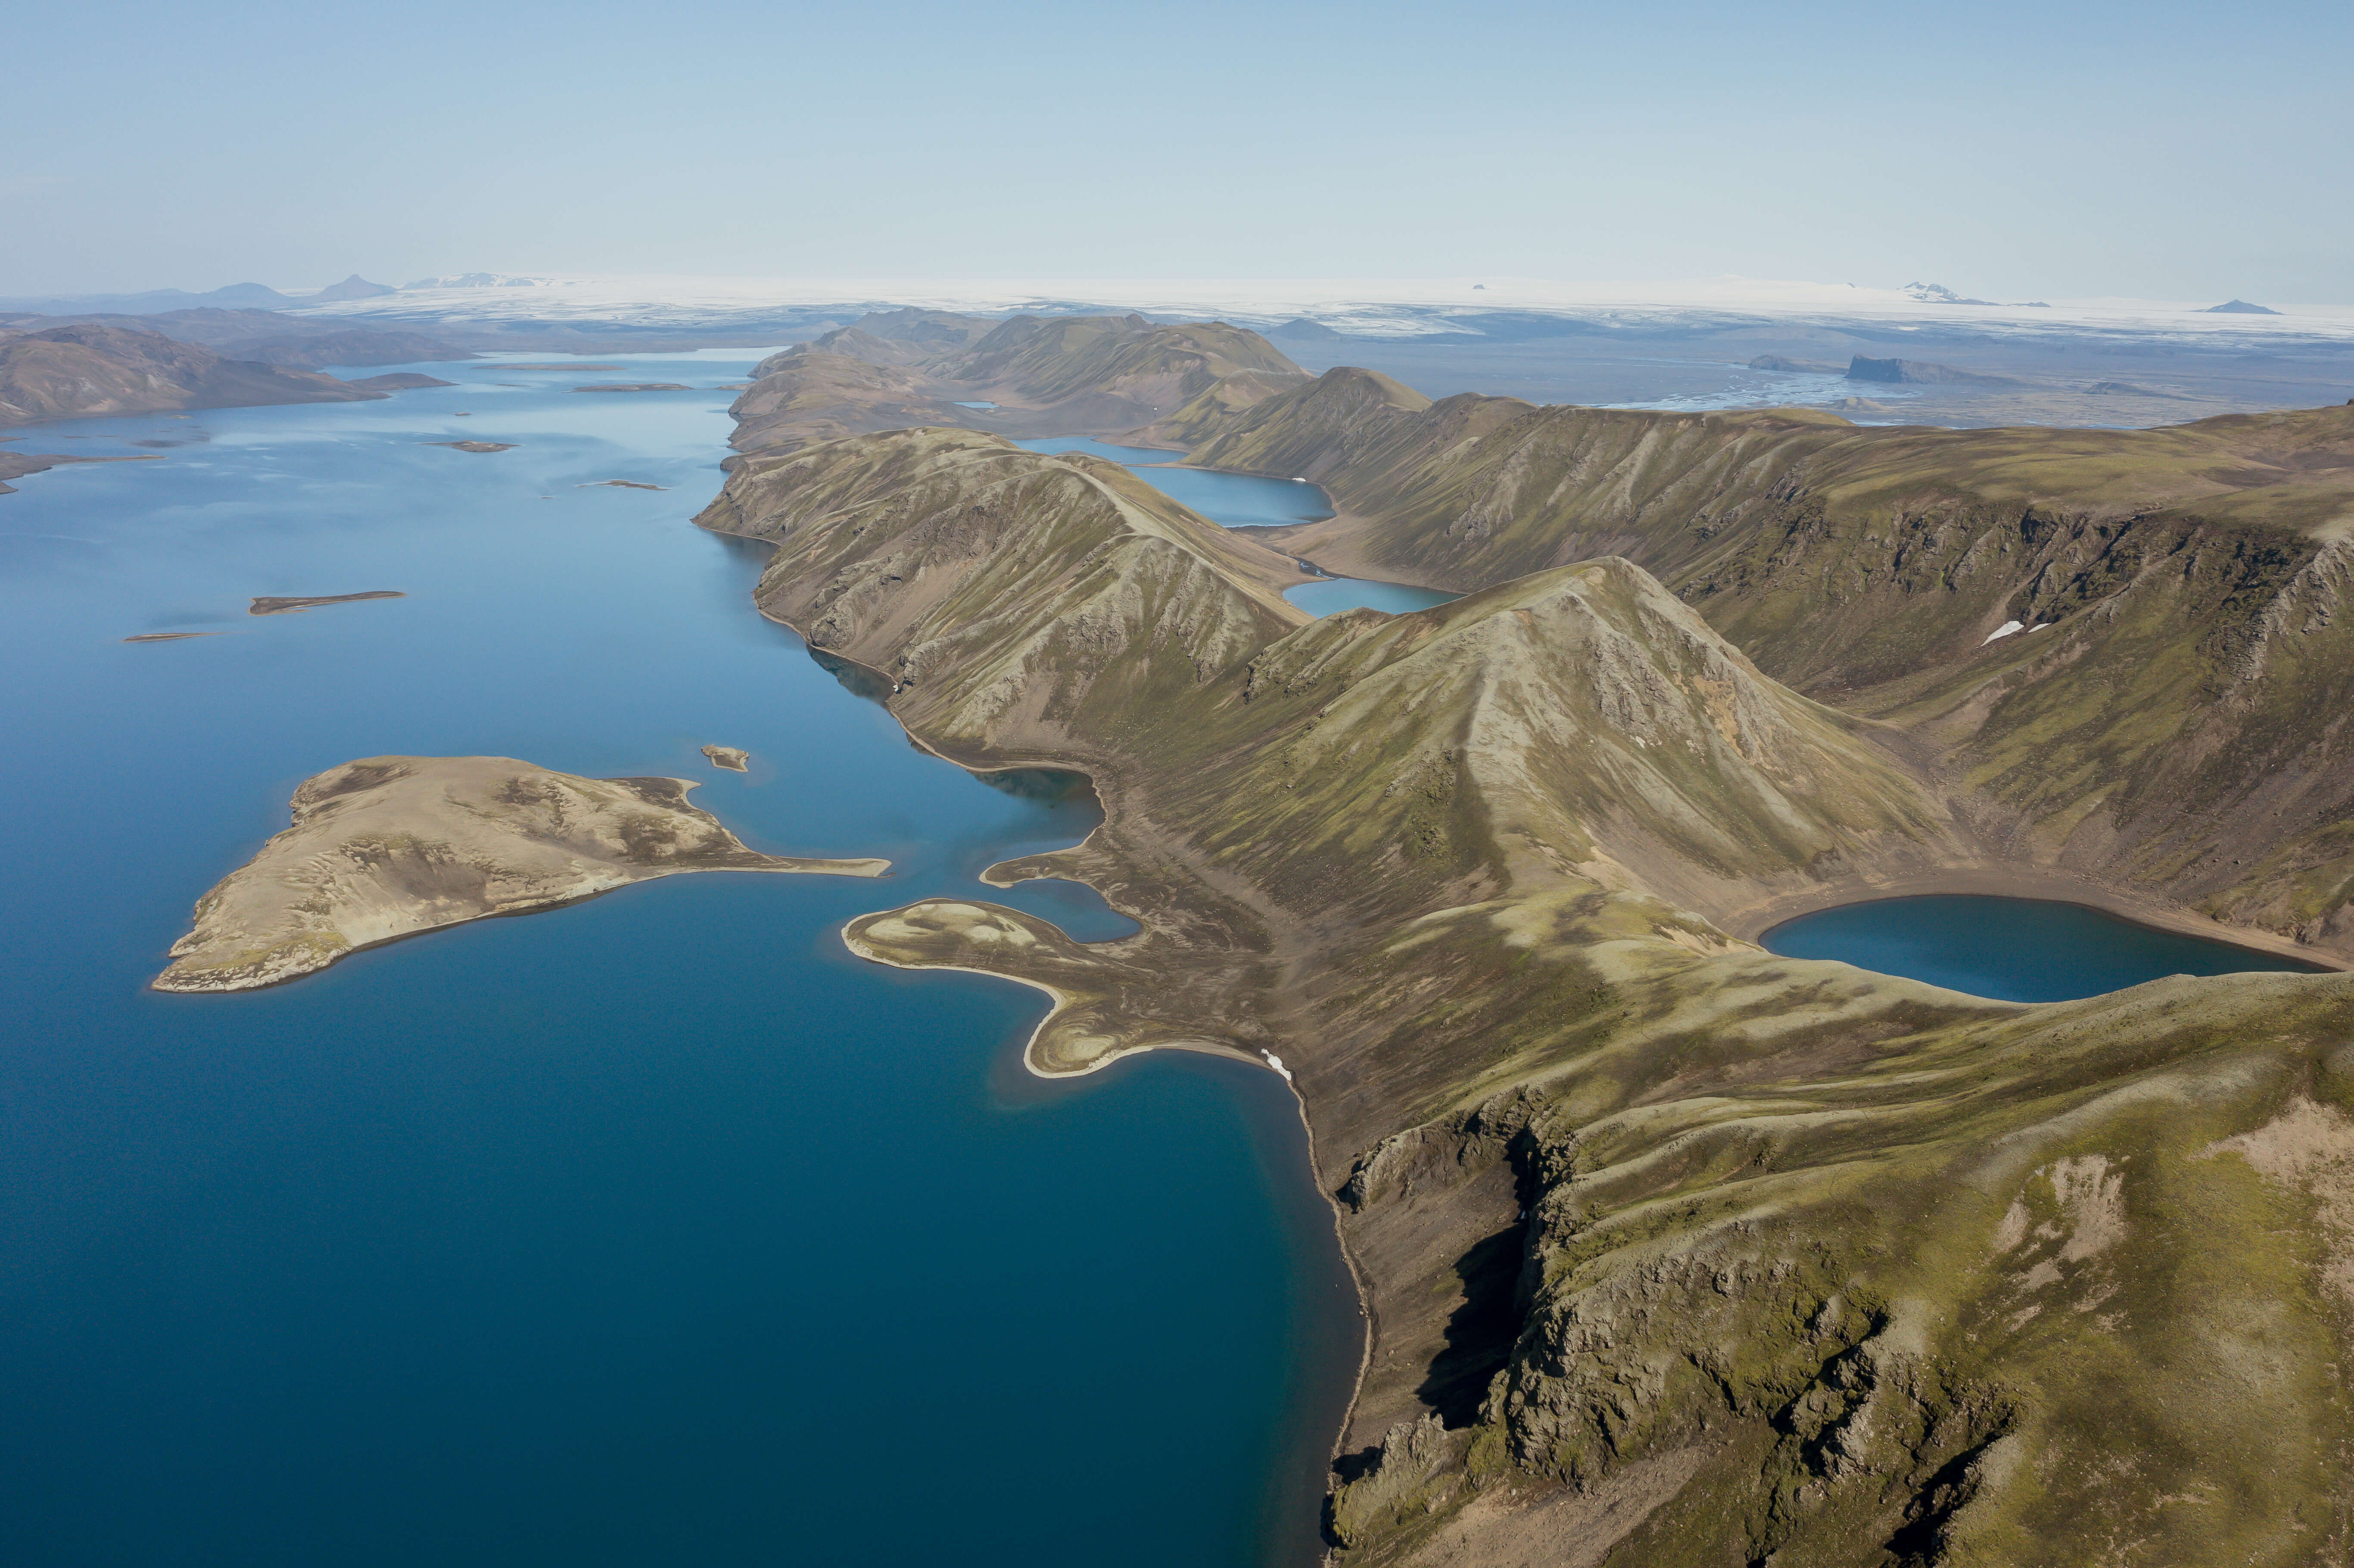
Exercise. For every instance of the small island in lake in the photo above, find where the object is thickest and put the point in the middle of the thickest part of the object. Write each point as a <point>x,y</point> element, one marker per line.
<point>637,386</point>
<point>732,757</point>
<point>386,847</point>
<point>294,605</point>
<point>397,381</point>
<point>475,446</point>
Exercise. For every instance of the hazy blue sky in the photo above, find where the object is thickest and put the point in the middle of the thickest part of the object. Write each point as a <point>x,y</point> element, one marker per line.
<point>2008,150</point>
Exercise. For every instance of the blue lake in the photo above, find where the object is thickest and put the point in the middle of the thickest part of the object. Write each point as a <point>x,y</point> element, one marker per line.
<point>1237,500</point>
<point>1333,595</point>
<point>657,1229</point>
<point>2011,950</point>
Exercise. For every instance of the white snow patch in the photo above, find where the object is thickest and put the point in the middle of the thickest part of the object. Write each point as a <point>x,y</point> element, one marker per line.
<point>2005,630</point>
<point>1276,1062</point>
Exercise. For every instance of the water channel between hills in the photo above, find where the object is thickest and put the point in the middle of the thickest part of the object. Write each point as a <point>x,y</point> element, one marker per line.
<point>656,1229</point>
<point>1251,501</point>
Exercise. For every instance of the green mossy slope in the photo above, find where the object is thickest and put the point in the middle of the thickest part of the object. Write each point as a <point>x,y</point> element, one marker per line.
<point>1673,1251</point>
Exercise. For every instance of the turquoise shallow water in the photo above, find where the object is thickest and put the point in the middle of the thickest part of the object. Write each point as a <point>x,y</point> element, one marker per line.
<point>1333,595</point>
<point>656,1228</point>
<point>2012,949</point>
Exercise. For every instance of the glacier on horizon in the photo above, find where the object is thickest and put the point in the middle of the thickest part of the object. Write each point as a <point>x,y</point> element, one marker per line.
<point>1393,309</point>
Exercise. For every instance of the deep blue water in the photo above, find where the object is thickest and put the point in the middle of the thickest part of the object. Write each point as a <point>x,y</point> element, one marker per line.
<point>1332,595</point>
<point>2012,949</point>
<point>657,1229</point>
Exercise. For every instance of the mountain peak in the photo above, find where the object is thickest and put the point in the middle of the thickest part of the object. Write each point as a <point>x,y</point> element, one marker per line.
<point>352,287</point>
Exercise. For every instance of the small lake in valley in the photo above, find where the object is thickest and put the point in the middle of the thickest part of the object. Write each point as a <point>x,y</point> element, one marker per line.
<point>2011,949</point>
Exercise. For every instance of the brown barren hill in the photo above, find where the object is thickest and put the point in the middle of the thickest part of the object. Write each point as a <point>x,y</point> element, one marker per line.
<point>1029,376</point>
<point>76,371</point>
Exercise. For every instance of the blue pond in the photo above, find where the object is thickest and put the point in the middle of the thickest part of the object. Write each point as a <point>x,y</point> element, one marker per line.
<point>2011,950</point>
<point>1333,595</point>
<point>657,1229</point>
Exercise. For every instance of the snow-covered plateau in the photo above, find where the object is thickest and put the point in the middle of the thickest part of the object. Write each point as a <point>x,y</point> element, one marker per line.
<point>1357,307</point>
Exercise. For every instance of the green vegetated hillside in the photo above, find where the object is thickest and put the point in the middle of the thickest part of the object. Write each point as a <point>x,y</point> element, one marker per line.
<point>1673,1251</point>
<point>2161,717</point>
<point>1024,375</point>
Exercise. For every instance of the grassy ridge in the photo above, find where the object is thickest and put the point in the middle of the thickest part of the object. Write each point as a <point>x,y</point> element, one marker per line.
<point>2166,726</point>
<point>1674,1251</point>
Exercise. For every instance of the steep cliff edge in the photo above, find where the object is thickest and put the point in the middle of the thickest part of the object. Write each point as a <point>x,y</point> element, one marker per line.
<point>1674,1251</point>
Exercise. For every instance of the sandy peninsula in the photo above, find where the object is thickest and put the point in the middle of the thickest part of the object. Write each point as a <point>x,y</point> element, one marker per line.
<point>386,847</point>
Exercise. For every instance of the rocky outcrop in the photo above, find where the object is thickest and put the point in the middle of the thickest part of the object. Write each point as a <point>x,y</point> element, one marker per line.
<point>388,846</point>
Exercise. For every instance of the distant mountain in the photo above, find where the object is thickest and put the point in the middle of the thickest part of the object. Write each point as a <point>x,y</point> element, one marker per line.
<point>1026,376</point>
<point>236,296</point>
<point>2239,308</point>
<point>89,367</point>
<point>352,287</point>
<point>1301,330</point>
<point>1939,294</point>
<point>270,337</point>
